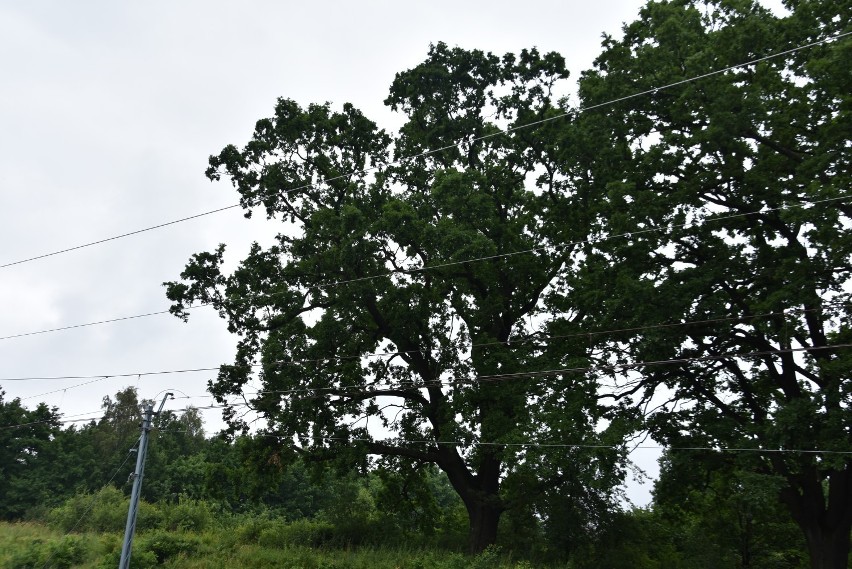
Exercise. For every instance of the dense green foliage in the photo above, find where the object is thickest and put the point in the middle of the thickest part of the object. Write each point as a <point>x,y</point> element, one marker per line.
<point>718,202</point>
<point>25,455</point>
<point>677,262</point>
<point>366,309</point>
<point>743,178</point>
<point>238,499</point>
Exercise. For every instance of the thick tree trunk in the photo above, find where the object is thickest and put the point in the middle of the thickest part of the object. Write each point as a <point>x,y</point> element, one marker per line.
<point>480,494</point>
<point>828,550</point>
<point>825,520</point>
<point>484,519</point>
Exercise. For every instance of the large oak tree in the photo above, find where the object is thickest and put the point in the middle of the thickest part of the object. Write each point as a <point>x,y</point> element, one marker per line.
<point>736,190</point>
<point>414,274</point>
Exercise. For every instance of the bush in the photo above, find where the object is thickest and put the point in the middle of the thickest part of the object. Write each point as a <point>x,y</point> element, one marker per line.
<point>67,552</point>
<point>104,511</point>
<point>249,531</point>
<point>149,517</point>
<point>188,515</point>
<point>139,559</point>
<point>442,561</point>
<point>307,533</point>
<point>153,548</point>
<point>490,557</point>
<point>165,544</point>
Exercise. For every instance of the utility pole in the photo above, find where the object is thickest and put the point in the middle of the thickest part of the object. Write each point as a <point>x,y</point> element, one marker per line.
<point>130,527</point>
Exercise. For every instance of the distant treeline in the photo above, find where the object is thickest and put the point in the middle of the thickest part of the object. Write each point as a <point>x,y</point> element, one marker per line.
<point>76,479</point>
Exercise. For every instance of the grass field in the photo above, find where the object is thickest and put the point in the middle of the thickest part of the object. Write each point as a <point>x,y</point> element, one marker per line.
<point>31,546</point>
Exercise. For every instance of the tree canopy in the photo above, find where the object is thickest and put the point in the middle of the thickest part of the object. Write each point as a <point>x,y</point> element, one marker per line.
<point>743,180</point>
<point>455,293</point>
<point>414,278</point>
<point>24,455</point>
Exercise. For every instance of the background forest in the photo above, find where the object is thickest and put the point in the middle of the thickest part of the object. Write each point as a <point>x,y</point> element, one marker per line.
<point>463,327</point>
<point>200,489</point>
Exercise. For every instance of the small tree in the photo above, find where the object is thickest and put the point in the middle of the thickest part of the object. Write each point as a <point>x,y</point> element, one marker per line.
<point>25,456</point>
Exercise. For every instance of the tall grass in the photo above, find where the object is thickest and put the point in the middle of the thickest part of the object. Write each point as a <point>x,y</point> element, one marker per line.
<point>86,531</point>
<point>32,545</point>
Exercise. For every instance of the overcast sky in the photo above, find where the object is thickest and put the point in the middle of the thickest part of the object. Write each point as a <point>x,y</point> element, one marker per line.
<point>108,112</point>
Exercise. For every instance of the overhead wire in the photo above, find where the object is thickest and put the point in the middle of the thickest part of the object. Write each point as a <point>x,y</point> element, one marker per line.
<point>87,324</point>
<point>399,161</point>
<point>557,445</point>
<point>99,415</point>
<point>103,376</point>
<point>450,263</point>
<point>559,246</point>
<point>473,443</point>
<point>633,365</point>
<point>512,342</point>
<point>593,446</point>
<point>441,265</point>
<point>365,389</point>
<point>381,389</point>
<point>115,237</point>
<point>619,367</point>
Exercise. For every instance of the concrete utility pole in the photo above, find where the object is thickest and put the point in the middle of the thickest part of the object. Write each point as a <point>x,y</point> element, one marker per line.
<point>130,527</point>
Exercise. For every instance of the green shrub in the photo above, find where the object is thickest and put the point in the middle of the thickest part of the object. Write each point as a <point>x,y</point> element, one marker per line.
<point>105,511</point>
<point>139,559</point>
<point>30,558</point>
<point>438,561</point>
<point>165,545</point>
<point>96,512</point>
<point>108,512</point>
<point>272,536</point>
<point>249,532</point>
<point>67,552</point>
<point>304,533</point>
<point>188,515</point>
<point>149,517</point>
<point>307,533</point>
<point>489,558</point>
<point>70,551</point>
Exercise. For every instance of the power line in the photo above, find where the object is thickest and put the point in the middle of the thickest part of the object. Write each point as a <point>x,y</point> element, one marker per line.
<point>591,333</point>
<point>73,326</point>
<point>499,444</point>
<point>58,421</point>
<point>380,390</point>
<point>112,375</point>
<point>556,445</point>
<point>102,415</point>
<point>590,446</point>
<point>447,147</point>
<point>633,365</point>
<point>63,389</point>
<point>448,264</point>
<point>108,239</point>
<point>563,245</point>
<point>109,321</point>
<point>360,390</point>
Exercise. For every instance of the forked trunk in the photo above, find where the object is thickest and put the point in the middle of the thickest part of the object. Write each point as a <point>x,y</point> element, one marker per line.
<point>484,519</point>
<point>825,519</point>
<point>480,494</point>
